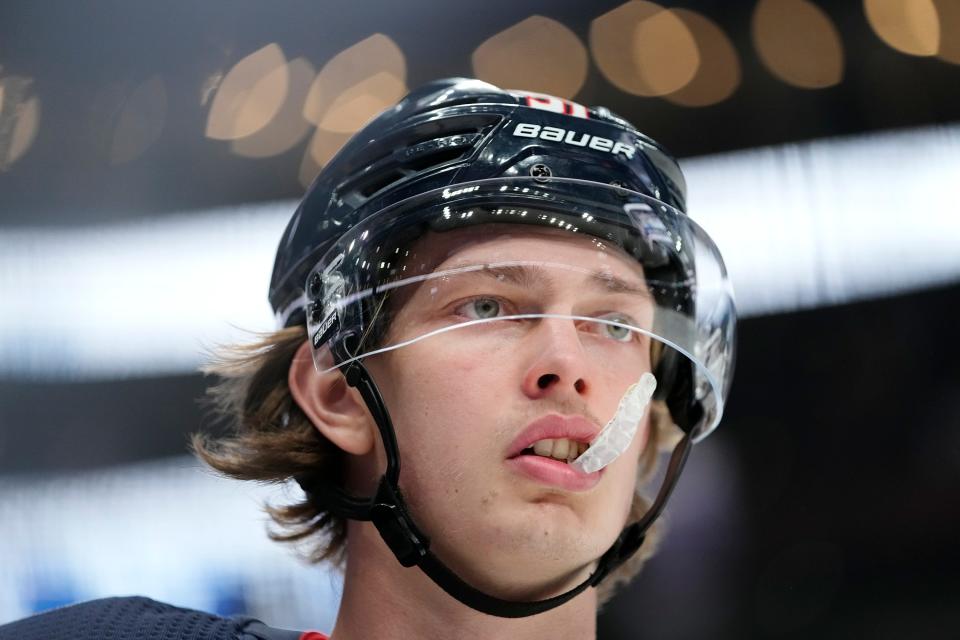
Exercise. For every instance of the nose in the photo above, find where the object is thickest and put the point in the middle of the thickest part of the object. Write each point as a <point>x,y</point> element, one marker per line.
<point>559,364</point>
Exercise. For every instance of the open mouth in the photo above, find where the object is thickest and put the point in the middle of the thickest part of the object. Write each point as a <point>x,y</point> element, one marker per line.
<point>562,449</point>
<point>544,450</point>
<point>548,462</point>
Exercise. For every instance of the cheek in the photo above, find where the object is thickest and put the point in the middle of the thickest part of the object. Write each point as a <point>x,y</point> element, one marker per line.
<point>445,378</point>
<point>438,407</point>
<point>625,470</point>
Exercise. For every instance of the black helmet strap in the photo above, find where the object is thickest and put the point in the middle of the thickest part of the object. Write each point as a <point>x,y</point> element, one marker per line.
<point>389,513</point>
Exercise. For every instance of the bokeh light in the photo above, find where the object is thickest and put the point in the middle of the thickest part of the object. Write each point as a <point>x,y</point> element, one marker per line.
<point>323,146</point>
<point>909,26</point>
<point>538,54</point>
<point>141,121</point>
<point>357,84</point>
<point>644,49</point>
<point>353,87</point>
<point>288,127</point>
<point>19,119</point>
<point>798,43</point>
<point>948,11</point>
<point>718,75</point>
<point>360,103</point>
<point>250,95</point>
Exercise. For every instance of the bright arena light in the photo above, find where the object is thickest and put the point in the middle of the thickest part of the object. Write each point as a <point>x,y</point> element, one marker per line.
<point>909,26</point>
<point>250,95</point>
<point>718,74</point>
<point>800,226</point>
<point>19,118</point>
<point>538,53</point>
<point>142,298</point>
<point>798,43</point>
<point>833,221</point>
<point>644,49</point>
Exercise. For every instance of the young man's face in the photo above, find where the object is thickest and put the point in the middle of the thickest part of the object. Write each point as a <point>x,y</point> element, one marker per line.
<point>463,401</point>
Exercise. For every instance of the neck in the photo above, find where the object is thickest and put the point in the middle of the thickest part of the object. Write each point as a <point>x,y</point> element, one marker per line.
<point>382,599</point>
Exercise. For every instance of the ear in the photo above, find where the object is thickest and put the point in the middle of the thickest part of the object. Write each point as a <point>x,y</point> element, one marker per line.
<point>336,409</point>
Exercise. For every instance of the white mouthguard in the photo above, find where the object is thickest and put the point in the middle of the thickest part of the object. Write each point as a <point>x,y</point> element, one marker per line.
<point>615,438</point>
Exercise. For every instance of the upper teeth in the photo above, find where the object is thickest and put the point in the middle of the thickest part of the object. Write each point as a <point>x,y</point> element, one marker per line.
<point>561,449</point>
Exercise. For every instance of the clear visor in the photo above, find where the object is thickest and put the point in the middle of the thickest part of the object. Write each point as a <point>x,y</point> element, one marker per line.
<point>601,296</point>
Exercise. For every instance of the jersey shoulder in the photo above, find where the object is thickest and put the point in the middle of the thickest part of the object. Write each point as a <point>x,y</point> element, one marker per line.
<point>137,618</point>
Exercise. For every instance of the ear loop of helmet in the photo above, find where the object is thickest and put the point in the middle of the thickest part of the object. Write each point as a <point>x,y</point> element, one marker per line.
<point>389,513</point>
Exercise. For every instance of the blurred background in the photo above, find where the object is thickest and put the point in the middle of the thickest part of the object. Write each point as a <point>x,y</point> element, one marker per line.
<point>151,153</point>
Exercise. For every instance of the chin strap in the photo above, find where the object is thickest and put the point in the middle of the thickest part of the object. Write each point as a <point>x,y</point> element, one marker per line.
<point>389,514</point>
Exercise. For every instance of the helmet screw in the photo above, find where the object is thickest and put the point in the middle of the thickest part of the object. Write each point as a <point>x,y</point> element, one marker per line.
<point>314,313</point>
<point>541,172</point>
<point>315,285</point>
<point>621,187</point>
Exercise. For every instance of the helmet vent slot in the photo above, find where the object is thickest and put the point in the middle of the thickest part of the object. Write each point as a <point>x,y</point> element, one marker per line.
<point>423,147</point>
<point>378,182</point>
<point>436,158</point>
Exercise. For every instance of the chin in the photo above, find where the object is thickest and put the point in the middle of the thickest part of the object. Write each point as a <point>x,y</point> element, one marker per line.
<point>522,575</point>
<point>544,542</point>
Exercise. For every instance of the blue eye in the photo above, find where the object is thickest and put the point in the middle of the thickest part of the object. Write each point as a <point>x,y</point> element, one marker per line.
<point>620,334</point>
<point>616,332</point>
<point>481,308</point>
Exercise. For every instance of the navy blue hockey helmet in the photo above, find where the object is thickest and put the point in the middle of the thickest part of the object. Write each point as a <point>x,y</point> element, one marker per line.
<point>455,131</point>
<point>462,159</point>
<point>450,134</point>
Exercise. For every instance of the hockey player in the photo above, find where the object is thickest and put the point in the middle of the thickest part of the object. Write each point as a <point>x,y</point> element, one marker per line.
<point>492,313</point>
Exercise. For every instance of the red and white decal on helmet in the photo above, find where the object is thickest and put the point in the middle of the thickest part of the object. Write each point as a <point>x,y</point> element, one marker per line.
<point>552,103</point>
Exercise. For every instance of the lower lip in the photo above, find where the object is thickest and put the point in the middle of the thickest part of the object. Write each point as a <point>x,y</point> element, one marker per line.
<point>554,473</point>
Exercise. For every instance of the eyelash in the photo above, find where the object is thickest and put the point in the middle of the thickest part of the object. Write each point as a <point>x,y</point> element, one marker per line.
<point>616,316</point>
<point>463,303</point>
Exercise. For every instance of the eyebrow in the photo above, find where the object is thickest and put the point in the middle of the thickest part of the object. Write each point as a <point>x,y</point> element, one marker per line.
<point>534,275</point>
